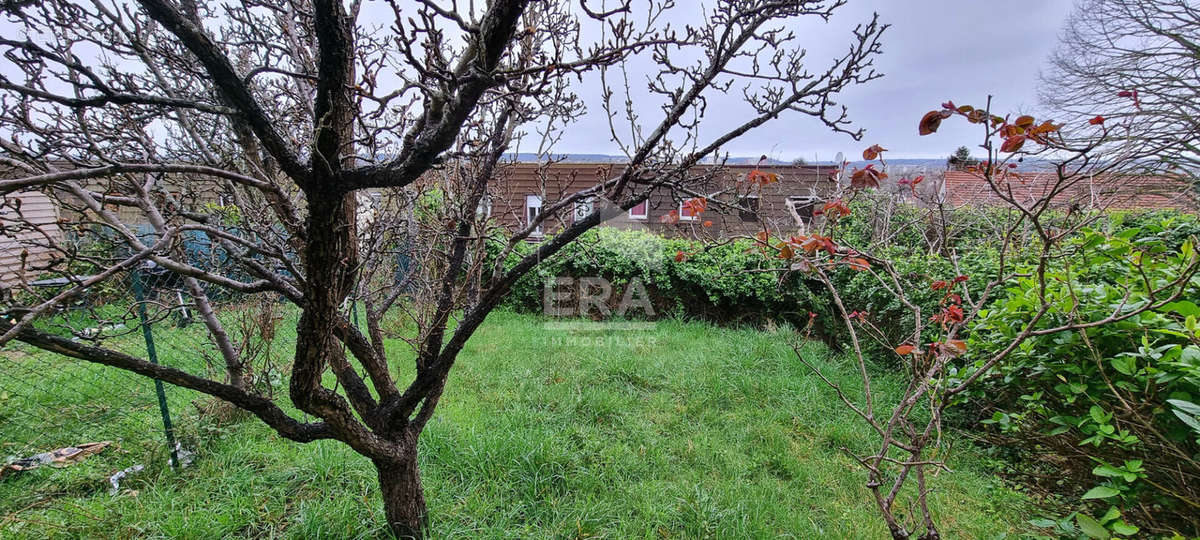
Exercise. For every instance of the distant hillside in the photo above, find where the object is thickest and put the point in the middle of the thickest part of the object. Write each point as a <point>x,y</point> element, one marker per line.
<point>931,164</point>
<point>569,158</point>
<point>606,158</point>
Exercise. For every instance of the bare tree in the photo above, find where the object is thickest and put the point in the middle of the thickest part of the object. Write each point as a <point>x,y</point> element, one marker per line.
<point>1117,59</point>
<point>312,146</point>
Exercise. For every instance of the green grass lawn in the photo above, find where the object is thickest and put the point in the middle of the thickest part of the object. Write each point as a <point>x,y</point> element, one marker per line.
<point>684,431</point>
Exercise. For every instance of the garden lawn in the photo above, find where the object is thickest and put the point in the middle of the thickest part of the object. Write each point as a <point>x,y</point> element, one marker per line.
<point>684,431</point>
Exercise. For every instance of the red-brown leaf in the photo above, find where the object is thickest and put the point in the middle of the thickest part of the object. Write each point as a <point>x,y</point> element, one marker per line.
<point>930,122</point>
<point>761,178</point>
<point>870,154</point>
<point>1013,144</point>
<point>695,207</point>
<point>835,209</point>
<point>1044,128</point>
<point>858,264</point>
<point>868,177</point>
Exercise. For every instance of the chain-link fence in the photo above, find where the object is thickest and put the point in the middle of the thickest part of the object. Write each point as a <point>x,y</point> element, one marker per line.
<point>51,402</point>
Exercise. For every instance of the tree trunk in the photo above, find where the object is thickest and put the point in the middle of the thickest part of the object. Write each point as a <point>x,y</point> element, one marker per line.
<point>403,499</point>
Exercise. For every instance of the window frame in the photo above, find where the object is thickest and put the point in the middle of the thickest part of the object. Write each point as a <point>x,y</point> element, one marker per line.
<point>586,202</point>
<point>529,200</point>
<point>644,215</point>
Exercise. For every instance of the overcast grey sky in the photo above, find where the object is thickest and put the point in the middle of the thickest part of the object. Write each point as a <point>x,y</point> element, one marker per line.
<point>935,50</point>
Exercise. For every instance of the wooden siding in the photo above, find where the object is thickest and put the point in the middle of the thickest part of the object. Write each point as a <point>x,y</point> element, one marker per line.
<point>27,233</point>
<point>513,183</point>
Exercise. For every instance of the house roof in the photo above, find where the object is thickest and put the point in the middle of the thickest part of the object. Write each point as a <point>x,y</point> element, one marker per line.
<point>964,188</point>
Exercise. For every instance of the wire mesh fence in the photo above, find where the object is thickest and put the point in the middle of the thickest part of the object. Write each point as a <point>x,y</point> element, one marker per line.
<point>50,402</point>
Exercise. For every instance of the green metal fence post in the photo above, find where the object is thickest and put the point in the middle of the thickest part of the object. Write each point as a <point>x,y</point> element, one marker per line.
<point>139,295</point>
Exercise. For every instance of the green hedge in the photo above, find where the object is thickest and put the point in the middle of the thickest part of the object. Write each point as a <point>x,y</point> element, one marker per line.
<point>728,283</point>
<point>734,283</point>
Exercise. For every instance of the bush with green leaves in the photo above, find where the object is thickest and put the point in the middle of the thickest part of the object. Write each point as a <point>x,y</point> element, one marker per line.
<point>879,221</point>
<point>1171,226</point>
<point>733,282</point>
<point>1112,408</point>
<point>728,283</point>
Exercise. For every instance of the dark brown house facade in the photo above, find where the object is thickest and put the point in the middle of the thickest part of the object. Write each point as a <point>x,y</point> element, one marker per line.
<point>736,205</point>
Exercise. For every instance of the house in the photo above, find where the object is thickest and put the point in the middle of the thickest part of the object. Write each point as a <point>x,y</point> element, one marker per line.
<point>38,223</point>
<point>1107,192</point>
<point>521,190</point>
<point>29,228</point>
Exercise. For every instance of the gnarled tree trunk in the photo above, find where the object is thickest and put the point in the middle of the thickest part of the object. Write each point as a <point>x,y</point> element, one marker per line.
<point>403,498</point>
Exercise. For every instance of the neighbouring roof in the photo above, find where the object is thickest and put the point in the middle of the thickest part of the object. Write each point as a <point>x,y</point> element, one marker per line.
<point>1116,192</point>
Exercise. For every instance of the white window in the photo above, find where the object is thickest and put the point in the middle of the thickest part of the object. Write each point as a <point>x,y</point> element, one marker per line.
<point>584,207</point>
<point>533,209</point>
<point>640,211</point>
<point>802,207</point>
